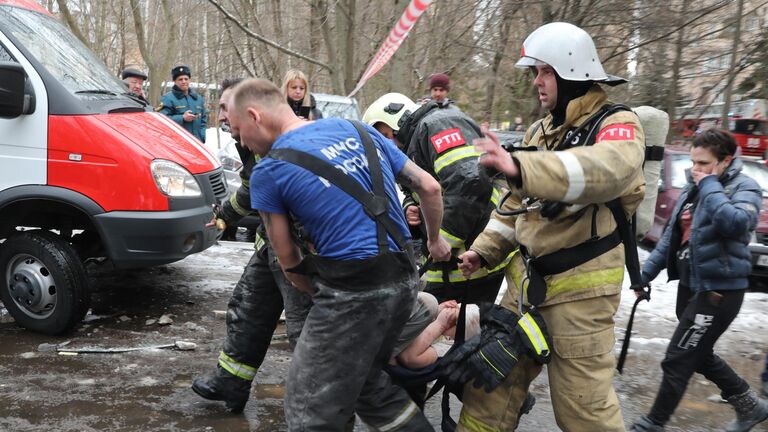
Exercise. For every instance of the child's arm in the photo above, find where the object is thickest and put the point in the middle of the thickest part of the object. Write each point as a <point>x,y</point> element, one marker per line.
<point>420,352</point>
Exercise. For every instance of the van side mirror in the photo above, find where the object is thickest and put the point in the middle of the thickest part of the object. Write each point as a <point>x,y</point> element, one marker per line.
<point>12,80</point>
<point>661,185</point>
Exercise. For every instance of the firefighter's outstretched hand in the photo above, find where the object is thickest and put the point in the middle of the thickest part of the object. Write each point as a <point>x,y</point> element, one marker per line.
<point>439,249</point>
<point>493,155</point>
<point>470,263</point>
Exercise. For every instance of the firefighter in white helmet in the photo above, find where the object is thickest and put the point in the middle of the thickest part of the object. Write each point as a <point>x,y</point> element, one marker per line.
<point>571,260</point>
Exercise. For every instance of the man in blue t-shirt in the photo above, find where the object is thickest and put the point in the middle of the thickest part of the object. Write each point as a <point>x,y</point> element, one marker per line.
<point>363,278</point>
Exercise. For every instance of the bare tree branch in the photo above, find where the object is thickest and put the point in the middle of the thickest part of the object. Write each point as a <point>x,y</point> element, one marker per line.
<point>269,42</point>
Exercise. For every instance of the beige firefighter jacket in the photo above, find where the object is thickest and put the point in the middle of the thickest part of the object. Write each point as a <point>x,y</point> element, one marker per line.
<point>586,177</point>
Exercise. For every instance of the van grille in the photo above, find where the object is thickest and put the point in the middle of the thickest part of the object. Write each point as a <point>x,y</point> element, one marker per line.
<point>217,185</point>
<point>762,238</point>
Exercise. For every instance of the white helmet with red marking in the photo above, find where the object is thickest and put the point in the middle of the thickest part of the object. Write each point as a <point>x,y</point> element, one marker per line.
<point>569,50</point>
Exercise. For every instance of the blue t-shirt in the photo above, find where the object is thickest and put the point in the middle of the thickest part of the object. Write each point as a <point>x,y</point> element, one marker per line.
<point>335,222</point>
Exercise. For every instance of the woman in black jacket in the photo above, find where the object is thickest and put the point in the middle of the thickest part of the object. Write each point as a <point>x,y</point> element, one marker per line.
<point>296,91</point>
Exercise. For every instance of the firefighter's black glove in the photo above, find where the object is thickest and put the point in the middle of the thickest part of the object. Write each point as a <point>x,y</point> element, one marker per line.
<point>552,209</point>
<point>495,359</point>
<point>454,362</point>
<point>534,335</point>
<point>495,317</point>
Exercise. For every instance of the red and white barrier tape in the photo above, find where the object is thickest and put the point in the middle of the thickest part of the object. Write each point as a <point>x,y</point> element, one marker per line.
<point>394,40</point>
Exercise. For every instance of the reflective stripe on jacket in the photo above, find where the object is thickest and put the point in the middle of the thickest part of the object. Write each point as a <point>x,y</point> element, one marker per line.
<point>585,176</point>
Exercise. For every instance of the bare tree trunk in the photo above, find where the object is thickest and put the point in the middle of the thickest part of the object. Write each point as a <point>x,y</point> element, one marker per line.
<point>122,36</point>
<point>505,24</point>
<point>677,62</point>
<point>71,22</point>
<point>399,67</point>
<point>345,27</point>
<point>156,68</point>
<point>269,42</point>
<point>330,47</point>
<point>732,67</point>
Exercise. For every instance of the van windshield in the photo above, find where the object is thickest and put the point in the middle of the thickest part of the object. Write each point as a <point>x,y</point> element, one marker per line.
<point>61,53</point>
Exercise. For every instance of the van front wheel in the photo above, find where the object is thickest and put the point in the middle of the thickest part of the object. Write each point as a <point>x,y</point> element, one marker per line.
<point>43,286</point>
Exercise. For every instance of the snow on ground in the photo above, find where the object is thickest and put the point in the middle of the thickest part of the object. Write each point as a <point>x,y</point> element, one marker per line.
<point>655,320</point>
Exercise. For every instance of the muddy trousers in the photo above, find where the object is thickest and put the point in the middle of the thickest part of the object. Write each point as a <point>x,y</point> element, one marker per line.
<point>764,375</point>
<point>476,290</point>
<point>703,317</point>
<point>254,310</point>
<point>580,374</point>
<point>336,368</point>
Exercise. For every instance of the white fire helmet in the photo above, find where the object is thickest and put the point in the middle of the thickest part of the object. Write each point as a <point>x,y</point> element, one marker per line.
<point>388,109</point>
<point>569,50</point>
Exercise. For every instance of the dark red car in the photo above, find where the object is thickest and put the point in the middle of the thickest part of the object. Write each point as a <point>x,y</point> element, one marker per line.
<point>673,180</point>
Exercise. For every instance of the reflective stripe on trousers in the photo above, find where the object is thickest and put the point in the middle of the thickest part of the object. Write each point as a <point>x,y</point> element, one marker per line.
<point>240,370</point>
<point>456,275</point>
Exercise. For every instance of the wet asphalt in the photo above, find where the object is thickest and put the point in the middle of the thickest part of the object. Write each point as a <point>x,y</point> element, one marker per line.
<point>149,389</point>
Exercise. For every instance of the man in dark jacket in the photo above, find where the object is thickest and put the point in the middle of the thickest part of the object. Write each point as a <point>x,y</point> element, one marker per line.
<point>705,246</point>
<point>257,300</point>
<point>438,138</point>
<point>184,105</point>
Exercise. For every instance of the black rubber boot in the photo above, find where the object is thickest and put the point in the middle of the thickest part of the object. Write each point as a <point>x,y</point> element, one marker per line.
<point>750,410</point>
<point>644,424</point>
<point>223,386</point>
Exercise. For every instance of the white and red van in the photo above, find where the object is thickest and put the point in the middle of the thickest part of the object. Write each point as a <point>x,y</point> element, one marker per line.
<point>87,173</point>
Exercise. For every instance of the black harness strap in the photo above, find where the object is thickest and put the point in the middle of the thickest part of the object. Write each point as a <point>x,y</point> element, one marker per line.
<point>625,227</point>
<point>632,262</point>
<point>375,206</point>
<point>565,259</point>
<point>377,178</point>
<point>560,261</point>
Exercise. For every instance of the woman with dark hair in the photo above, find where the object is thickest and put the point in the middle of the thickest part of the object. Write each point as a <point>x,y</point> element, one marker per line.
<point>705,246</point>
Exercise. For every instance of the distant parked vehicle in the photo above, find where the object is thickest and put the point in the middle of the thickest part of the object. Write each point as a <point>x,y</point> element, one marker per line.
<point>337,106</point>
<point>510,139</point>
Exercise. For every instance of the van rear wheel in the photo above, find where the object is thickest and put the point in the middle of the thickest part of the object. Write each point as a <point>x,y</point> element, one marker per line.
<point>44,285</point>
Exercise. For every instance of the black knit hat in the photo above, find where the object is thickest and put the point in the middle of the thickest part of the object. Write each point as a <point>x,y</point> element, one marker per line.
<point>181,70</point>
<point>132,72</point>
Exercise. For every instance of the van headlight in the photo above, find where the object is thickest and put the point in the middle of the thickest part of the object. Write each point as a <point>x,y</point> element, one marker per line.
<point>173,180</point>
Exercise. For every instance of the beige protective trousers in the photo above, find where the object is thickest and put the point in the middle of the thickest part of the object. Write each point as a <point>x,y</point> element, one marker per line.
<point>580,374</point>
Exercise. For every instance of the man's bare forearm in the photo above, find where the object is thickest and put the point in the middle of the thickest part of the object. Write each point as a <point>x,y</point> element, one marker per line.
<point>416,179</point>
<point>288,253</point>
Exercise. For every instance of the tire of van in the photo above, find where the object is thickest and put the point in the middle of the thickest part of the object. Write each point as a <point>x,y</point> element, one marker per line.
<point>44,285</point>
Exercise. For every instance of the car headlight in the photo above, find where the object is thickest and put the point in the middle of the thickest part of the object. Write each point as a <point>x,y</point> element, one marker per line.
<point>173,180</point>
<point>753,238</point>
